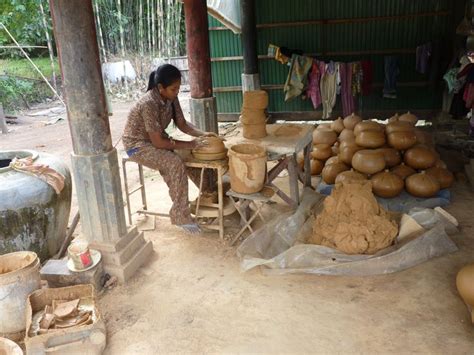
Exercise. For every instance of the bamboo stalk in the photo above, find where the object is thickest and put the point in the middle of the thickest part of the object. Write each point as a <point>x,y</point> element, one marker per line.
<point>122,45</point>
<point>153,28</point>
<point>101,37</point>
<point>48,41</point>
<point>148,26</point>
<point>32,63</point>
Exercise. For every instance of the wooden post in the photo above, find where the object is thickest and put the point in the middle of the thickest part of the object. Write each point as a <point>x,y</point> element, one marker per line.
<point>3,122</point>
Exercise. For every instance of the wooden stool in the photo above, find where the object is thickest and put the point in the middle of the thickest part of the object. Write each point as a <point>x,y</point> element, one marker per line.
<point>211,210</point>
<point>242,203</point>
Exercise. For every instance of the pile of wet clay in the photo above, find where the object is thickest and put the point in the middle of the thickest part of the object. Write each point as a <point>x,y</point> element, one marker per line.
<point>353,222</point>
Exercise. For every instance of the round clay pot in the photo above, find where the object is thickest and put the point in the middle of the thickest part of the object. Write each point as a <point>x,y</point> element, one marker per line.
<point>325,127</point>
<point>316,166</point>
<point>425,138</point>
<point>252,116</point>
<point>403,171</point>
<point>465,284</point>
<point>386,184</point>
<point>392,156</point>
<point>368,161</point>
<point>321,152</point>
<point>444,176</point>
<point>216,145</point>
<point>332,160</point>
<point>347,135</point>
<point>350,176</point>
<point>420,157</point>
<point>351,121</point>
<point>345,155</point>
<point>337,125</point>
<point>331,171</point>
<point>394,118</point>
<point>422,185</point>
<point>398,126</point>
<point>255,99</point>
<point>440,164</point>
<point>323,136</point>
<point>370,139</point>
<point>402,140</point>
<point>408,117</point>
<point>367,126</point>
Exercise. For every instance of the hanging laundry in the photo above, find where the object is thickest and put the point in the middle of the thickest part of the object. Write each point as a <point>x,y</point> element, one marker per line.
<point>356,78</point>
<point>297,76</point>
<point>275,52</point>
<point>347,98</point>
<point>454,84</point>
<point>367,76</point>
<point>313,90</point>
<point>423,54</point>
<point>328,88</point>
<point>391,73</point>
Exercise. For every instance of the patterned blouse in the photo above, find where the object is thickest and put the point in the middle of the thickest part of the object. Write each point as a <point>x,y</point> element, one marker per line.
<point>151,113</point>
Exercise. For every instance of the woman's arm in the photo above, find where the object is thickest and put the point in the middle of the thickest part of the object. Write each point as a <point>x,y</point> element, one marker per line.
<point>185,126</point>
<point>161,142</point>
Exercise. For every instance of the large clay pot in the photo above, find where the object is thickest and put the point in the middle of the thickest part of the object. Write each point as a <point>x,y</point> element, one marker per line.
<point>347,135</point>
<point>408,117</point>
<point>368,161</point>
<point>254,131</point>
<point>403,171</point>
<point>465,286</point>
<point>402,140</point>
<point>247,168</point>
<point>330,172</point>
<point>337,125</point>
<point>321,152</point>
<point>370,139</point>
<point>399,126</point>
<point>420,157</point>
<point>368,126</point>
<point>350,176</point>
<point>316,166</point>
<point>32,216</point>
<point>444,176</point>
<point>323,136</point>
<point>392,156</point>
<point>255,99</point>
<point>422,185</point>
<point>386,184</point>
<point>351,121</point>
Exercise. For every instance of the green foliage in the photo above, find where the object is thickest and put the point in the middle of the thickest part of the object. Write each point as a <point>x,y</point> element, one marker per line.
<point>22,67</point>
<point>24,21</point>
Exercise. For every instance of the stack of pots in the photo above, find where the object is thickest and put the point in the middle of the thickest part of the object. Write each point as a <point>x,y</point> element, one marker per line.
<point>393,157</point>
<point>253,117</point>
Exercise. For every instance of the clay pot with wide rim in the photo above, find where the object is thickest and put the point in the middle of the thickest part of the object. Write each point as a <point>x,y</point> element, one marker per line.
<point>422,185</point>
<point>444,176</point>
<point>351,121</point>
<point>323,136</point>
<point>370,139</point>
<point>403,170</point>
<point>368,161</point>
<point>350,176</point>
<point>331,171</point>
<point>402,140</point>
<point>386,184</point>
<point>420,157</point>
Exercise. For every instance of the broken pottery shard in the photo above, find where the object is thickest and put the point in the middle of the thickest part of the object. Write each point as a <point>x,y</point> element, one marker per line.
<point>66,309</point>
<point>46,321</point>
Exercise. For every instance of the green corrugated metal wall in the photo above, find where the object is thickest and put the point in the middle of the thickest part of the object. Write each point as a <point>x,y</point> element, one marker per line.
<point>382,34</point>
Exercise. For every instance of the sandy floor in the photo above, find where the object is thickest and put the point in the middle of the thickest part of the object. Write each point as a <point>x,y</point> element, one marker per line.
<point>191,297</point>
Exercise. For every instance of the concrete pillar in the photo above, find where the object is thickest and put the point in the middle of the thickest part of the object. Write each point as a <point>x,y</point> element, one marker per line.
<point>3,121</point>
<point>94,160</point>
<point>203,104</point>
<point>250,76</point>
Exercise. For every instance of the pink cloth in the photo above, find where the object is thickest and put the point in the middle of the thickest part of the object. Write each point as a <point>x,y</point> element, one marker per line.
<point>313,90</point>
<point>348,106</point>
<point>42,172</point>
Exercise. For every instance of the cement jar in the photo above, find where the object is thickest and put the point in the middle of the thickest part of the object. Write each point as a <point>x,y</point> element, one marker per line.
<point>32,216</point>
<point>247,168</point>
<point>19,276</point>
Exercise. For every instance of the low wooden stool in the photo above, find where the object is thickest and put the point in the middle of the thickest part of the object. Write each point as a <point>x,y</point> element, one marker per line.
<point>211,210</point>
<point>242,203</point>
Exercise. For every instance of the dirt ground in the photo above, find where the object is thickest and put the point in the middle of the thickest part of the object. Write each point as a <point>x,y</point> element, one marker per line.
<point>191,297</point>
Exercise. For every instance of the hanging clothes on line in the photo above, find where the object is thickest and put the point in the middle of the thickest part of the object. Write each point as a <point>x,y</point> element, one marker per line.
<point>391,73</point>
<point>329,88</point>
<point>314,77</point>
<point>347,98</point>
<point>423,54</point>
<point>357,76</point>
<point>367,76</point>
<point>297,76</point>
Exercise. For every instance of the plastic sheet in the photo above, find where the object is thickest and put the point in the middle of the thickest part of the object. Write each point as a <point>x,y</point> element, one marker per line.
<point>279,246</point>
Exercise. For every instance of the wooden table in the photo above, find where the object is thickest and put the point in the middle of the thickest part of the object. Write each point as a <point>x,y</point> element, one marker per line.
<point>283,142</point>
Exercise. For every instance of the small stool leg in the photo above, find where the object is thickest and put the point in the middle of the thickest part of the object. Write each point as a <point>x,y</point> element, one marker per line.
<point>220,198</point>
<point>199,194</point>
<point>127,196</point>
<point>142,183</point>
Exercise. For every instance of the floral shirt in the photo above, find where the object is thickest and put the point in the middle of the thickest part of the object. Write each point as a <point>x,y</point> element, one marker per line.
<point>151,113</point>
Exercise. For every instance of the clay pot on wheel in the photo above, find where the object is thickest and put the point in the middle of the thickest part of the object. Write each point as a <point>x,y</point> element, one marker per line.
<point>214,151</point>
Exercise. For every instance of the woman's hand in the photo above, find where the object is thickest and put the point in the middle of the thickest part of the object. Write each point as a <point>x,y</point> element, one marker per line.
<point>199,143</point>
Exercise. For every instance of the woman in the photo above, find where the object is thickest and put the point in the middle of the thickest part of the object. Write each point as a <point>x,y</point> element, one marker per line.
<point>148,144</point>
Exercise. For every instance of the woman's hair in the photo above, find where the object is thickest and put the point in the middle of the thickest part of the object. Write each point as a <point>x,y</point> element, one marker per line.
<point>165,75</point>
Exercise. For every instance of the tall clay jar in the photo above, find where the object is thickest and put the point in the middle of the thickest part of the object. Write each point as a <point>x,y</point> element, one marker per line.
<point>32,216</point>
<point>247,168</point>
